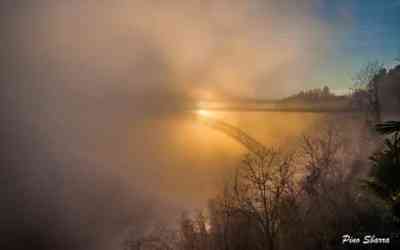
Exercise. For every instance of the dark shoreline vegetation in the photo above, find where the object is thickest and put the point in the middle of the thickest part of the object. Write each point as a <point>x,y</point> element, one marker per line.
<point>338,182</point>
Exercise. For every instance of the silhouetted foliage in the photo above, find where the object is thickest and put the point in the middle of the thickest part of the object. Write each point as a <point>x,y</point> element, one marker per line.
<point>385,173</point>
<point>388,127</point>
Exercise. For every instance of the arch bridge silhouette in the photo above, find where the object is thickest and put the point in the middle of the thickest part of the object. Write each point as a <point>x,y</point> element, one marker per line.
<point>242,137</point>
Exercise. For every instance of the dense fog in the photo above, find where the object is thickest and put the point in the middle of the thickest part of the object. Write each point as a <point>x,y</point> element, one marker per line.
<point>96,133</point>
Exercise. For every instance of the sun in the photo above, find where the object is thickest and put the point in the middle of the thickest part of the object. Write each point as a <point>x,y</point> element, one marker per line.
<point>203,112</point>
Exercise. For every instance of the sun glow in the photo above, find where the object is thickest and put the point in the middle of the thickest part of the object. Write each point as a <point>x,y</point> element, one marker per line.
<point>203,112</point>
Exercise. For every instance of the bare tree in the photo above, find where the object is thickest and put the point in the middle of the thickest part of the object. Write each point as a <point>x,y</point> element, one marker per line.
<point>160,238</point>
<point>320,155</point>
<point>231,229</point>
<point>264,191</point>
<point>367,90</point>
<point>334,201</point>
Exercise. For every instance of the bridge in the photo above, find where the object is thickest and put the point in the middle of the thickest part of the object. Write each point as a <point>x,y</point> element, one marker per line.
<point>201,110</point>
<point>342,105</point>
<point>201,116</point>
<point>237,134</point>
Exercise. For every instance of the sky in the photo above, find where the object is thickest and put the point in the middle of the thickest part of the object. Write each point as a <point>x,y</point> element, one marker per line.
<point>239,48</point>
<point>365,30</point>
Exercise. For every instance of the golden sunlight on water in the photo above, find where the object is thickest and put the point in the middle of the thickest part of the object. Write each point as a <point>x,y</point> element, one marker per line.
<point>198,157</point>
<point>185,160</point>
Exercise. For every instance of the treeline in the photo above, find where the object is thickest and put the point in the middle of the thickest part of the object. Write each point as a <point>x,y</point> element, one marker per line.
<point>377,92</point>
<point>314,95</point>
